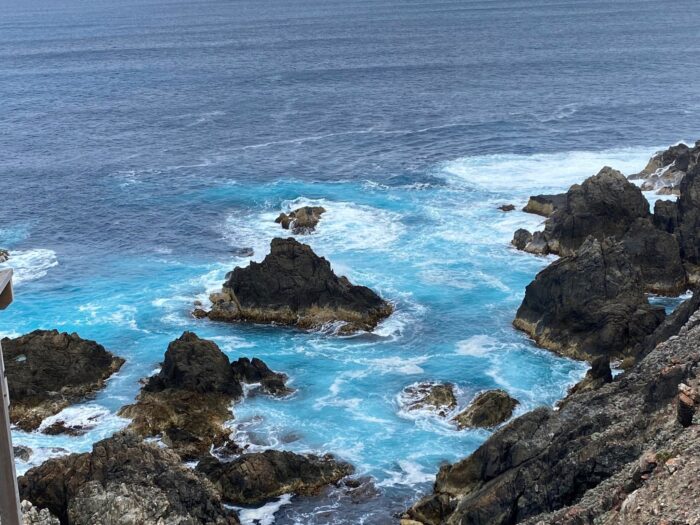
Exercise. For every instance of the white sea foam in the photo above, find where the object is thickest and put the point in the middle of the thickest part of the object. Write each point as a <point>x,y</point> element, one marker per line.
<point>477,346</point>
<point>85,417</point>
<point>264,515</point>
<point>407,473</point>
<point>513,174</point>
<point>30,265</point>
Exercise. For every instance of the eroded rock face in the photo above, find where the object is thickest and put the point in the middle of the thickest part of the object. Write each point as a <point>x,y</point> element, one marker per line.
<point>666,170</point>
<point>657,255</point>
<point>124,481</point>
<point>294,286</point>
<point>33,516</point>
<point>689,217</point>
<point>488,409</point>
<point>252,479</point>
<point>666,215</point>
<point>605,205</point>
<point>302,220</point>
<point>591,461</point>
<point>545,205</point>
<point>589,304</point>
<point>47,371</point>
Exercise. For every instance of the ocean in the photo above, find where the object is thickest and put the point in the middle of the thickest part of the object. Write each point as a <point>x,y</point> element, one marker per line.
<point>144,143</point>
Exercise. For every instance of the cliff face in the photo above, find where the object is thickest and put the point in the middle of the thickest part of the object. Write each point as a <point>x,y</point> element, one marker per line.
<point>610,455</point>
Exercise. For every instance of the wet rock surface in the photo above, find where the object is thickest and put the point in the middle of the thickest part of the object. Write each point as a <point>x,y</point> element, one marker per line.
<point>545,205</point>
<point>589,304</point>
<point>438,397</point>
<point>487,410</point>
<point>253,479</point>
<point>190,399</point>
<point>48,371</point>
<point>124,481</point>
<point>256,371</point>
<point>294,286</point>
<point>595,460</point>
<point>302,220</point>
<point>666,170</point>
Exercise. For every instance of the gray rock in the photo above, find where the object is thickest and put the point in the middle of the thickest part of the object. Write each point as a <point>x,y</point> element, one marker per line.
<point>487,410</point>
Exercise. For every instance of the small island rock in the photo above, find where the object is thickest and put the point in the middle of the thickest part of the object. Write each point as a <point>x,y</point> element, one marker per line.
<point>488,409</point>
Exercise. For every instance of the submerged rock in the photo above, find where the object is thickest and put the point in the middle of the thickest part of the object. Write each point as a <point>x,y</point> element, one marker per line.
<point>302,220</point>
<point>438,397</point>
<point>294,286</point>
<point>488,409</point>
<point>253,479</point>
<point>506,207</point>
<point>545,205</point>
<point>586,461</point>
<point>47,371</point>
<point>589,304</point>
<point>124,481</point>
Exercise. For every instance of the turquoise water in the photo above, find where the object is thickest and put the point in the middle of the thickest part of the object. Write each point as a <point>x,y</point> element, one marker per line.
<point>437,247</point>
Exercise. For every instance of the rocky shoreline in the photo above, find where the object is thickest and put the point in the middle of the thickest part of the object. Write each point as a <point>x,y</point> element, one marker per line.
<point>616,450</point>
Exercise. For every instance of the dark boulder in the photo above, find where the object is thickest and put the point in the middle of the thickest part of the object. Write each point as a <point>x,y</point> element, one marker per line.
<point>294,286</point>
<point>302,220</point>
<point>521,238</point>
<point>22,453</point>
<point>689,217</point>
<point>545,205</point>
<point>605,205</point>
<point>657,255</point>
<point>506,207</point>
<point>488,409</point>
<point>252,479</point>
<point>124,480</point>
<point>47,371</point>
<point>256,371</point>
<point>589,304</point>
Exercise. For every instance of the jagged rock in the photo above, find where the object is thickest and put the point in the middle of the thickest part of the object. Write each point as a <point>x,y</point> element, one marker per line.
<point>48,371</point>
<point>189,400</point>
<point>657,255</point>
<point>33,516</point>
<point>545,205</point>
<point>605,205</point>
<point>581,461</point>
<point>689,217</point>
<point>438,397</point>
<point>666,215</point>
<point>256,371</point>
<point>666,169</point>
<point>598,375</point>
<point>294,286</point>
<point>4,255</point>
<point>124,481</point>
<point>252,479</point>
<point>302,220</point>
<point>538,245</point>
<point>22,453</point>
<point>589,304</point>
<point>521,238</point>
<point>506,207</point>
<point>688,400</point>
<point>488,409</point>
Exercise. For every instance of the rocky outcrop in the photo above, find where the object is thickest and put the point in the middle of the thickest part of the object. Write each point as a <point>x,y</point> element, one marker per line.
<point>302,220</point>
<point>666,215</point>
<point>437,397</point>
<point>521,238</point>
<point>605,205</point>
<point>252,479</point>
<point>294,286</point>
<point>506,207</point>
<point>488,409</point>
<point>595,460</point>
<point>656,253</point>
<point>589,304</point>
<point>22,453</point>
<point>47,371</point>
<point>545,205</point>
<point>4,255</point>
<point>33,516</point>
<point>124,481</point>
<point>256,371</point>
<point>688,206</point>
<point>666,169</point>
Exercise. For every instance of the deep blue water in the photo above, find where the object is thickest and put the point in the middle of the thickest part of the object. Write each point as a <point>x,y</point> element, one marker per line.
<point>143,141</point>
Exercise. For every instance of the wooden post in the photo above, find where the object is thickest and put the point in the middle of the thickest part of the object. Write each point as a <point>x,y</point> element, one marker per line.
<point>10,513</point>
